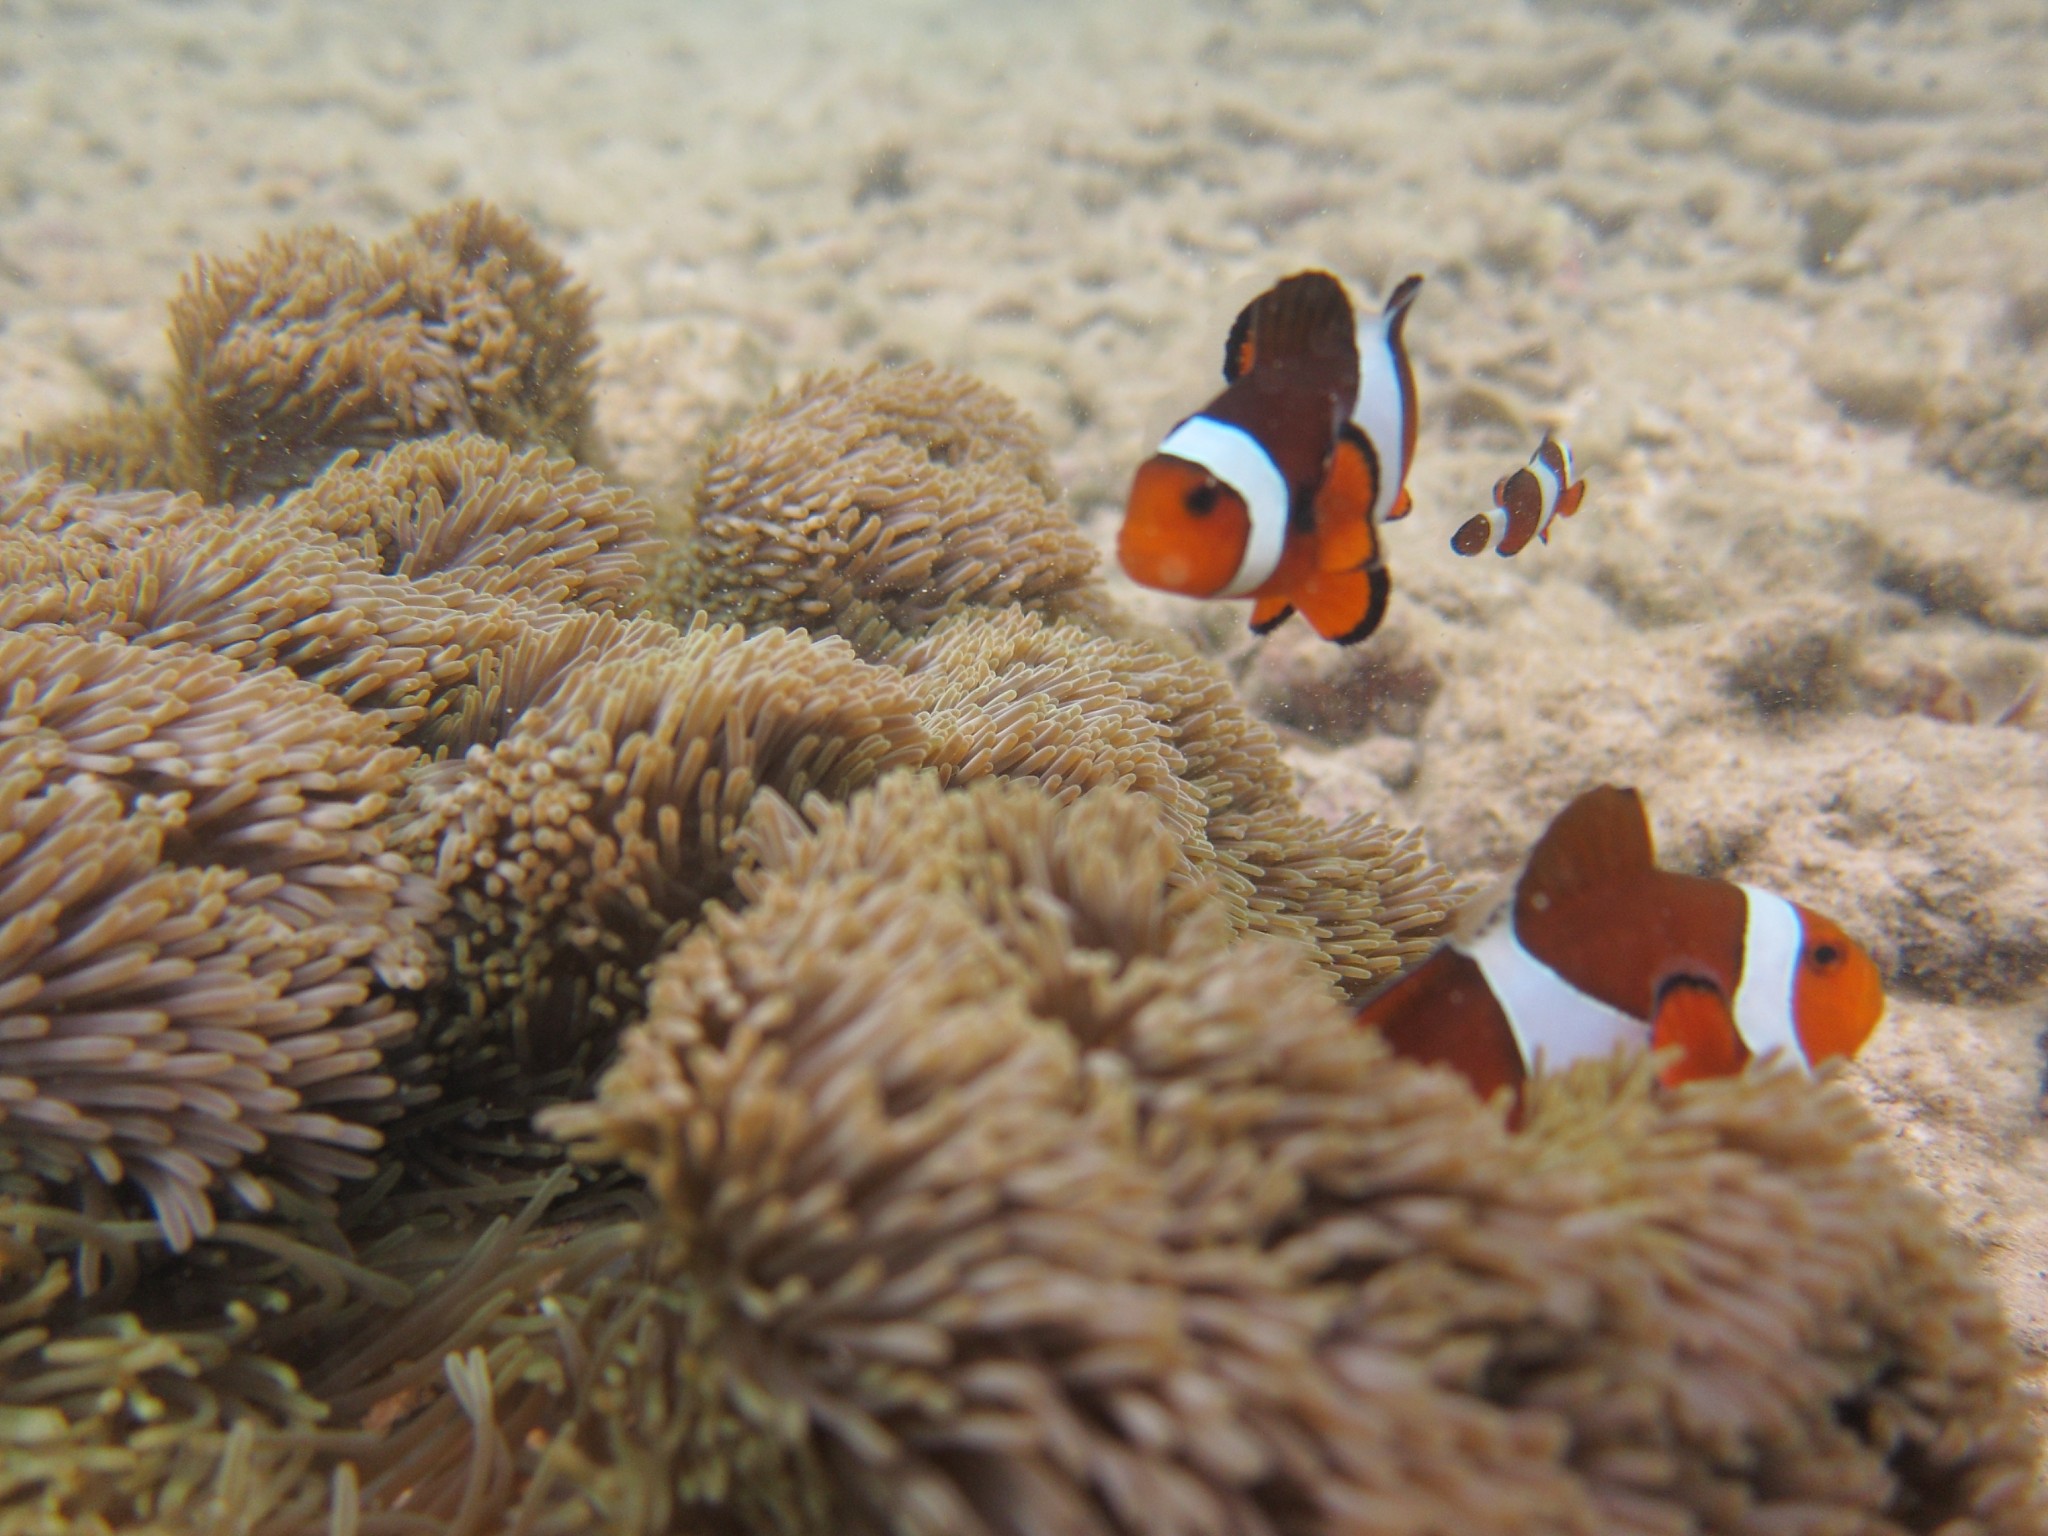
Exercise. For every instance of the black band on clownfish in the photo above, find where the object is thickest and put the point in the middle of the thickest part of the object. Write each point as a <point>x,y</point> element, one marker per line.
<point>1525,504</point>
<point>1596,949</point>
<point>1275,489</point>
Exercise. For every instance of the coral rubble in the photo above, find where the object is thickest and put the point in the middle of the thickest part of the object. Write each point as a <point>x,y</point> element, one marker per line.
<point>801,1019</point>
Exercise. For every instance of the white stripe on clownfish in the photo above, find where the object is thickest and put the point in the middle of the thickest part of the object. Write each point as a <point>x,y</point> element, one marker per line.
<point>1553,1022</point>
<point>1525,504</point>
<point>1241,462</point>
<point>1385,408</point>
<point>1772,941</point>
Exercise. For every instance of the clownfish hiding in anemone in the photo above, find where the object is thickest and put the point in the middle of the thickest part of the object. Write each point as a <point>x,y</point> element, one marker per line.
<point>1525,504</point>
<point>1275,490</point>
<point>1596,949</point>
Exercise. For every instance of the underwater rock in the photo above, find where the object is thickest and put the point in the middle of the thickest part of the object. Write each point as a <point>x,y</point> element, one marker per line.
<point>1878,362</point>
<point>1991,429</point>
<point>1339,696</point>
<point>871,505</point>
<point>1794,663</point>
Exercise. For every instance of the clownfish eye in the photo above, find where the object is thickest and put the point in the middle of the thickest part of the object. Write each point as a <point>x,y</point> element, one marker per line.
<point>1827,956</point>
<point>1201,501</point>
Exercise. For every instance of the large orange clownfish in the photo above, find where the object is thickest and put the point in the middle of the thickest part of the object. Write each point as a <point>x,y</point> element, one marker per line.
<point>1275,490</point>
<point>1596,949</point>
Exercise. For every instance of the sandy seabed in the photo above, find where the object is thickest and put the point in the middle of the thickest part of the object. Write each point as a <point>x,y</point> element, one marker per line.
<point>1778,270</point>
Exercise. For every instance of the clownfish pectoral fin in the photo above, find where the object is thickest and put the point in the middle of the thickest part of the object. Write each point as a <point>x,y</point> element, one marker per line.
<point>1598,844</point>
<point>1403,505</point>
<point>1308,314</point>
<point>1343,507</point>
<point>1269,613</point>
<point>1344,606</point>
<point>1568,503</point>
<point>1694,1019</point>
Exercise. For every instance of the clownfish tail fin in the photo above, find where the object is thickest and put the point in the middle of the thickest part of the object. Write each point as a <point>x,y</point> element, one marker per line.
<point>1345,606</point>
<point>1473,535</point>
<point>1395,315</point>
<point>1269,613</point>
<point>1379,585</point>
<point>1308,314</point>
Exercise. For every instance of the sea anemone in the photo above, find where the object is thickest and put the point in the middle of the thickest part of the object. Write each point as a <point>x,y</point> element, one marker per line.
<point>943,1008</point>
<point>493,520</point>
<point>311,346</point>
<point>935,1218</point>
<point>387,583</point>
<point>202,905</point>
<point>127,447</point>
<point>1011,694</point>
<point>605,816</point>
<point>871,505</point>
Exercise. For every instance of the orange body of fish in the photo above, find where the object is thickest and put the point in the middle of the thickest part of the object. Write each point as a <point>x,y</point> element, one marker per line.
<point>1276,489</point>
<point>1596,949</point>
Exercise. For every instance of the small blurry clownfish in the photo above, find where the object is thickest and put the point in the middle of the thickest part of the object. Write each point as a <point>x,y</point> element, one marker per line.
<point>1525,504</point>
<point>1275,489</point>
<point>1597,949</point>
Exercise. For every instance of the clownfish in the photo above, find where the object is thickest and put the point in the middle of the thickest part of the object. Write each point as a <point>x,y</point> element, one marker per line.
<point>1275,490</point>
<point>1595,948</point>
<point>1525,503</point>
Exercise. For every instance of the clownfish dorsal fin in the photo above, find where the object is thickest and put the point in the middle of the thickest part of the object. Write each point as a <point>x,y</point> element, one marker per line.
<point>1395,315</point>
<point>1305,315</point>
<point>1598,844</point>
